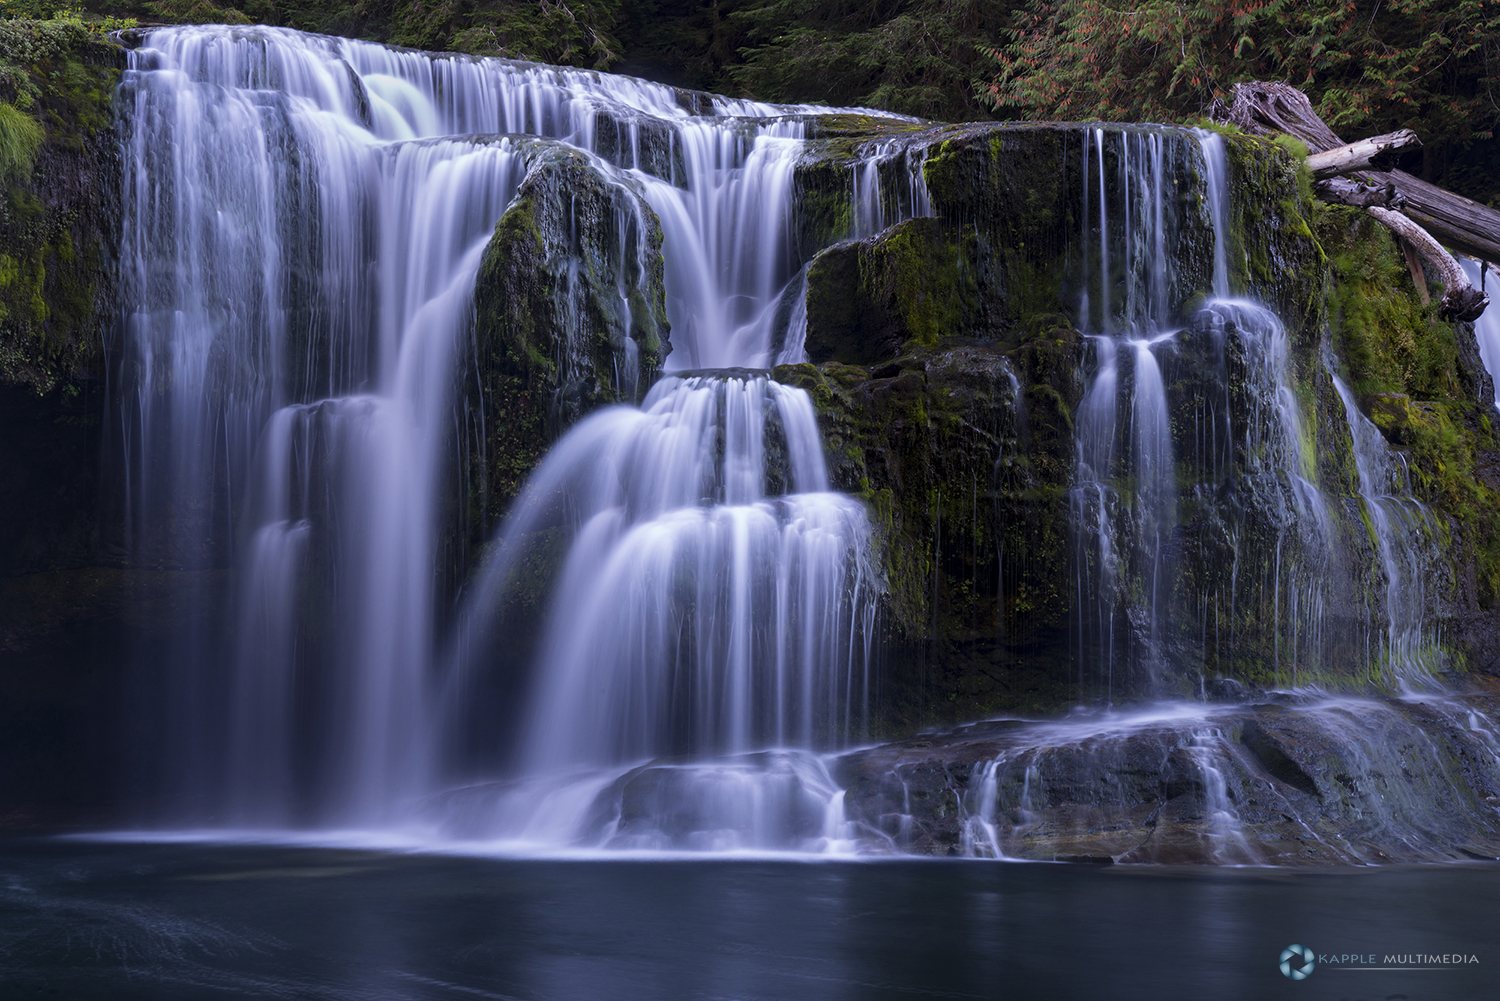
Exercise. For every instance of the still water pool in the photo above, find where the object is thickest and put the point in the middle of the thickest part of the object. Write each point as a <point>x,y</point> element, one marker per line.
<point>86,920</point>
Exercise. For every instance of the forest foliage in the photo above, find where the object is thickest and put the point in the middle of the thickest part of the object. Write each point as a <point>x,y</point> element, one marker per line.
<point>1369,65</point>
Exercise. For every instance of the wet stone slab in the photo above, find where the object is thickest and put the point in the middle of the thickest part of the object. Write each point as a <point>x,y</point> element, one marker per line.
<point>1319,781</point>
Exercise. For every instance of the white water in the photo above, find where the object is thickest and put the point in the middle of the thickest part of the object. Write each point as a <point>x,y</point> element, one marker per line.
<point>1115,540</point>
<point>1399,525</point>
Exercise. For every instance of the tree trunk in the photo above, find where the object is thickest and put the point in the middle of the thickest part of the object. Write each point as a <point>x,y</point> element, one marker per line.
<point>1463,224</point>
<point>1461,301</point>
<point>1343,191</point>
<point>1366,154</point>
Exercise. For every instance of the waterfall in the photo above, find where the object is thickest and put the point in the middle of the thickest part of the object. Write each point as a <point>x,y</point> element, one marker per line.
<point>305,219</point>
<point>1223,457</point>
<point>1487,327</point>
<point>1115,540</point>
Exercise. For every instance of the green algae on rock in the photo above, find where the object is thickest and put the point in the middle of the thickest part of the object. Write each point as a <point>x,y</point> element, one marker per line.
<point>995,273</point>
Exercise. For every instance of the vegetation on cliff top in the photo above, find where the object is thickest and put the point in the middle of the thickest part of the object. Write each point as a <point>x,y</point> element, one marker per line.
<point>1432,65</point>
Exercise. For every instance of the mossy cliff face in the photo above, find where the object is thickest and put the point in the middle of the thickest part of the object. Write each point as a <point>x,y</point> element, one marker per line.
<point>1421,381</point>
<point>948,370</point>
<point>59,218</point>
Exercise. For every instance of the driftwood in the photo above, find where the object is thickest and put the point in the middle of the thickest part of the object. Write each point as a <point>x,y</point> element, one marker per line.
<point>1465,225</point>
<point>1366,154</point>
<point>1267,106</point>
<point>1461,301</point>
<point>1345,191</point>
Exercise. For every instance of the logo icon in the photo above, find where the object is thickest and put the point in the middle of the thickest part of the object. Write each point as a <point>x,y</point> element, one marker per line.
<point>1296,962</point>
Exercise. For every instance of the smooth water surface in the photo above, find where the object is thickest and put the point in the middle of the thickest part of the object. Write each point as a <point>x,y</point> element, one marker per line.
<point>124,921</point>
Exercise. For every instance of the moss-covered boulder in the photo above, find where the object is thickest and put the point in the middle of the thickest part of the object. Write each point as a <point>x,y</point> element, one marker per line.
<point>570,315</point>
<point>964,454</point>
<point>866,300</point>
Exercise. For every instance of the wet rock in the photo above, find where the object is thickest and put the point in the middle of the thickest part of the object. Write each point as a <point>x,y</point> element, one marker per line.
<point>964,455</point>
<point>570,311</point>
<point>1228,690</point>
<point>868,300</point>
<point>1267,748</point>
<point>1334,781</point>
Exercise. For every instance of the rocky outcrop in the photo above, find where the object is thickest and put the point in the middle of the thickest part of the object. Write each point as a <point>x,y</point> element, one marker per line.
<point>570,316</point>
<point>59,219</point>
<point>570,311</point>
<point>63,593</point>
<point>1281,781</point>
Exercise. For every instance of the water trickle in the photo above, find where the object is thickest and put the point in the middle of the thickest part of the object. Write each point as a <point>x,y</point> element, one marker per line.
<point>1399,526</point>
<point>1124,496</point>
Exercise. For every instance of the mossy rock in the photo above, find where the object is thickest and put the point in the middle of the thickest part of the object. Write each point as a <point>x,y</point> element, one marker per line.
<point>570,316</point>
<point>869,300</point>
<point>966,482</point>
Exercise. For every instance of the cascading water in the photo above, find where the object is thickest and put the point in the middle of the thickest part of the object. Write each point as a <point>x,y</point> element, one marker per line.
<point>1239,429</point>
<point>712,602</point>
<point>1398,524</point>
<point>1111,545</point>
<point>306,219</point>
<point>1127,501</point>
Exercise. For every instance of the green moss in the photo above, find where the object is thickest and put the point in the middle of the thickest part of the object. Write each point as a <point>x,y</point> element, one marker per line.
<point>58,218</point>
<point>873,300</point>
<point>198,12</point>
<point>1406,368</point>
<point>20,138</point>
<point>1390,340</point>
<point>921,273</point>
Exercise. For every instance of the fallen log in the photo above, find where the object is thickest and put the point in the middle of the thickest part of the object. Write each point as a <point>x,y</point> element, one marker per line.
<point>1461,223</point>
<point>1461,301</point>
<point>1267,106</point>
<point>1465,225</point>
<point>1366,154</point>
<point>1345,191</point>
